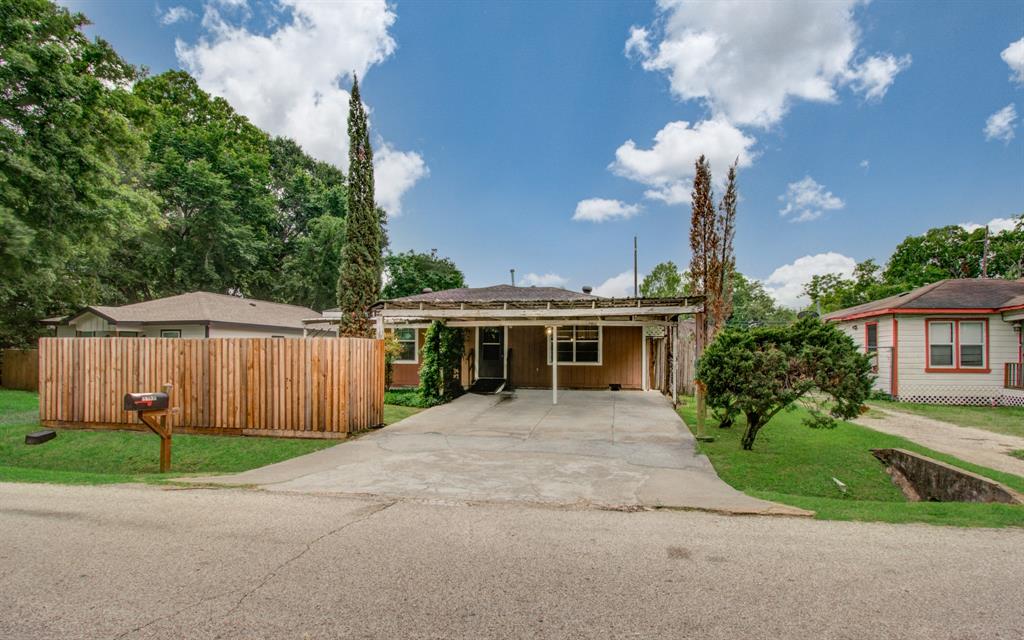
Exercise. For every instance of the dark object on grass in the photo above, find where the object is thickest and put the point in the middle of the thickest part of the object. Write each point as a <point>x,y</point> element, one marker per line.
<point>39,437</point>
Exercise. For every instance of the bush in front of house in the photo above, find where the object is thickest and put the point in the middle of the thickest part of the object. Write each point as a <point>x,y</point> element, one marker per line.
<point>759,372</point>
<point>406,398</point>
<point>442,362</point>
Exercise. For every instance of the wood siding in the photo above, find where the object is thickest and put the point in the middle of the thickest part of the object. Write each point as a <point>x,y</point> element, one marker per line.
<point>313,387</point>
<point>20,369</point>
<point>621,360</point>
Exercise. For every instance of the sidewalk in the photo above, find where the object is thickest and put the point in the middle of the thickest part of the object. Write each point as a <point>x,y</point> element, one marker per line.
<point>967,443</point>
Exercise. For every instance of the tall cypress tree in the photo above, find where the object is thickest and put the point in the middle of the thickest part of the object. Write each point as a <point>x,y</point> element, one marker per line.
<point>362,260</point>
<point>726,263</point>
<point>704,240</point>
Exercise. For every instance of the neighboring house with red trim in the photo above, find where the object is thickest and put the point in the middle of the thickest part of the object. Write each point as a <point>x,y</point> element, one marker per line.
<point>949,342</point>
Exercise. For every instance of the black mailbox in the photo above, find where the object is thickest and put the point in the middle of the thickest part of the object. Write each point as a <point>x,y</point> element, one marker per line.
<point>145,401</point>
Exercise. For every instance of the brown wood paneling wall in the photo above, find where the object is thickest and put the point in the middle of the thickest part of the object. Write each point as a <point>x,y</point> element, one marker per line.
<point>310,387</point>
<point>620,362</point>
<point>20,369</point>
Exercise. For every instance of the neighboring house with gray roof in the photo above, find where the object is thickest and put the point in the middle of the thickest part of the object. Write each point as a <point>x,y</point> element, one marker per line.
<point>949,342</point>
<point>191,315</point>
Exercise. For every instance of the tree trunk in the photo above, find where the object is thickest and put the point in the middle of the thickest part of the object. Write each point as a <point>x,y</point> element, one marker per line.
<point>753,426</point>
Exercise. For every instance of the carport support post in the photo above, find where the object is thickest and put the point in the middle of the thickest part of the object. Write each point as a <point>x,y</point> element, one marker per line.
<point>554,365</point>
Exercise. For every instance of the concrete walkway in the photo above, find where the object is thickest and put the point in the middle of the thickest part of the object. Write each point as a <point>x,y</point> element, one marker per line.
<point>967,443</point>
<point>595,448</point>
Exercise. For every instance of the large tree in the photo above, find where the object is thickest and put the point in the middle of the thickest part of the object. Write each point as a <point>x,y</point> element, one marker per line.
<point>411,272</point>
<point>759,372</point>
<point>70,161</point>
<point>665,281</point>
<point>211,168</point>
<point>362,262</point>
<point>754,307</point>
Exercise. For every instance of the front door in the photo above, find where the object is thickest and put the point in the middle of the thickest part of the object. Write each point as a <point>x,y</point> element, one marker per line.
<point>491,348</point>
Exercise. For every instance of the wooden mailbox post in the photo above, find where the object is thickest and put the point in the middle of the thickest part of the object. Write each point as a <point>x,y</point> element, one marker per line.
<point>154,410</point>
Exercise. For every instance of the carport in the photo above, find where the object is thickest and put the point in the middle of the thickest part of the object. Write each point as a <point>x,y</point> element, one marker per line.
<point>544,337</point>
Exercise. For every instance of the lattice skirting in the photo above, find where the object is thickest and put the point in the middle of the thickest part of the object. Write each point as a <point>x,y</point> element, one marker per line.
<point>977,401</point>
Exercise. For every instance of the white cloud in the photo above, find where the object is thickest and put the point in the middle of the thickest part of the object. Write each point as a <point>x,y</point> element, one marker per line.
<point>1000,125</point>
<point>394,173</point>
<point>786,284</point>
<point>1013,56</point>
<point>865,164</point>
<point>667,167</point>
<point>747,61</point>
<point>995,225</point>
<point>544,280</point>
<point>875,75</point>
<point>620,286</point>
<point>807,200</point>
<point>287,81</point>
<point>176,14</point>
<point>601,209</point>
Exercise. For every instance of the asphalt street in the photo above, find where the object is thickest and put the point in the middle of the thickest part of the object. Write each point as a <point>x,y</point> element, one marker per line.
<point>149,562</point>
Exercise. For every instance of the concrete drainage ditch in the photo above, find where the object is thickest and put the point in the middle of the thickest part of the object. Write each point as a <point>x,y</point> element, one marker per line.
<point>923,478</point>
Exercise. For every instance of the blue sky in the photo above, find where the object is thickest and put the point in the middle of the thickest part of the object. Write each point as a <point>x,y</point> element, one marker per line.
<point>855,124</point>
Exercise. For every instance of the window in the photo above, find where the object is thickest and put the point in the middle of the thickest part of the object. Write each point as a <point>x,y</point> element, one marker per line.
<point>577,345</point>
<point>170,333</point>
<point>940,344</point>
<point>972,344</point>
<point>871,344</point>
<point>128,334</point>
<point>957,345</point>
<point>408,339</point>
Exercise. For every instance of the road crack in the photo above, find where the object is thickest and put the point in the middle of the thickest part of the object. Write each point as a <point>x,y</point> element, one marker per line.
<point>270,575</point>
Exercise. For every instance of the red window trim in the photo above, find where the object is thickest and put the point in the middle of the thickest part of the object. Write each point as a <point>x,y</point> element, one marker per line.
<point>866,325</point>
<point>874,364</point>
<point>956,368</point>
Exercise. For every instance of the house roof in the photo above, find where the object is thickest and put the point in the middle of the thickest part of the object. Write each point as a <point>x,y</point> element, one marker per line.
<point>201,307</point>
<point>498,293</point>
<point>506,302</point>
<point>965,294</point>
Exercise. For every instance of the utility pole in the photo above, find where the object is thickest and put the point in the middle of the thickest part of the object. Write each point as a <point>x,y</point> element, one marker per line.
<point>636,289</point>
<point>984,256</point>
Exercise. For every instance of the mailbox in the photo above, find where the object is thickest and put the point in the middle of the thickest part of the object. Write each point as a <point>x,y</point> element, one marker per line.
<point>145,401</point>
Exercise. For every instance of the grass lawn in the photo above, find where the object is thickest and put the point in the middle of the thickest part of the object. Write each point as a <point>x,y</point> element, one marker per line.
<point>102,457</point>
<point>1006,420</point>
<point>794,464</point>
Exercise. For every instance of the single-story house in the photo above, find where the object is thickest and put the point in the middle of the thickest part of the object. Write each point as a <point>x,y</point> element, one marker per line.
<point>191,315</point>
<point>950,342</point>
<point>543,337</point>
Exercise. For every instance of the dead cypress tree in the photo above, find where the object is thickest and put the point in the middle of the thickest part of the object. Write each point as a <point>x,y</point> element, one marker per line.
<point>359,277</point>
<point>703,237</point>
<point>726,262</point>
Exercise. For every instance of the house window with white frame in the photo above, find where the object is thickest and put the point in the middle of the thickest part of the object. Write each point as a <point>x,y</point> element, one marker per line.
<point>972,345</point>
<point>408,339</point>
<point>577,344</point>
<point>940,344</point>
<point>957,345</point>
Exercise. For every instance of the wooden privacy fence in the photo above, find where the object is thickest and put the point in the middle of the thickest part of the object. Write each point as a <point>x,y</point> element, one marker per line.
<point>309,387</point>
<point>20,369</point>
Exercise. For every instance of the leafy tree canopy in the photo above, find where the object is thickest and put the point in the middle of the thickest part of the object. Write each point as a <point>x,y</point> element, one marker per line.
<point>410,272</point>
<point>759,372</point>
<point>665,281</point>
<point>754,307</point>
<point>937,254</point>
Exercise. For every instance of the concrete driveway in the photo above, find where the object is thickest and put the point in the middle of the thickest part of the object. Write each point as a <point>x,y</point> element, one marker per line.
<point>610,449</point>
